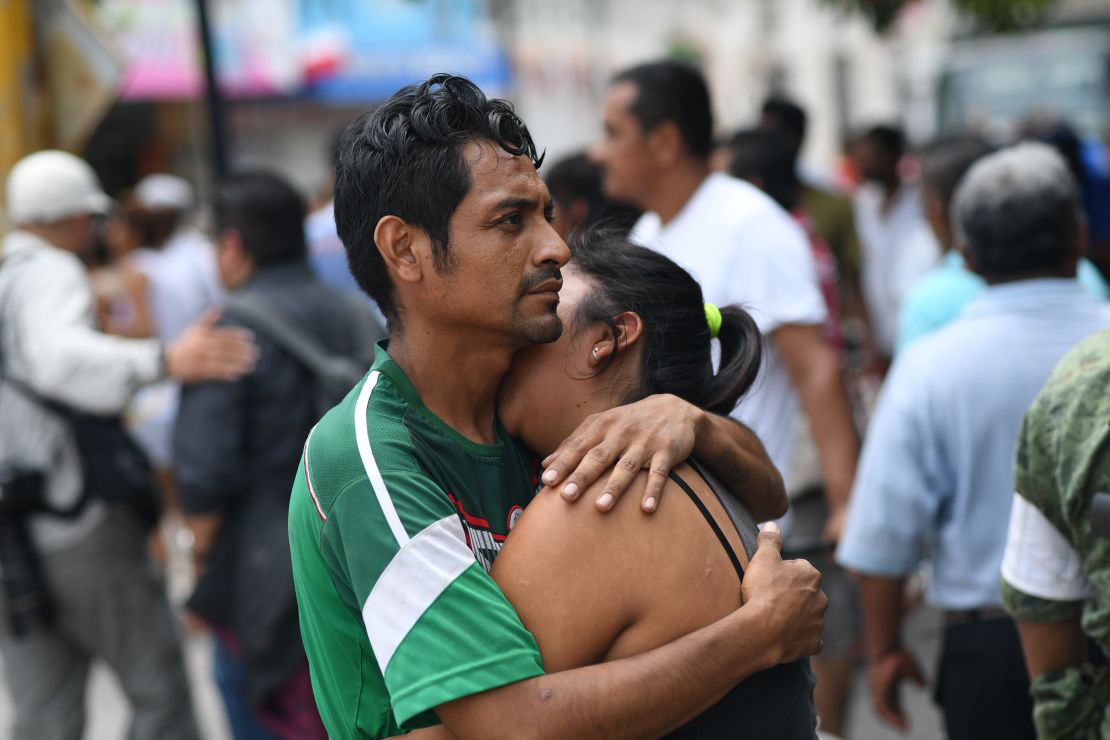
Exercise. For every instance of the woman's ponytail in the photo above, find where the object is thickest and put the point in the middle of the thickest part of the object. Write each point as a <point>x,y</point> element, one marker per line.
<point>741,356</point>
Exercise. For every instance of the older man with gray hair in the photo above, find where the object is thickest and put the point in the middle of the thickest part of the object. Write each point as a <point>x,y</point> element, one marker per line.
<point>936,475</point>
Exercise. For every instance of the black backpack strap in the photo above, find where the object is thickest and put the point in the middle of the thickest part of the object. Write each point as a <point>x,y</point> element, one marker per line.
<point>261,314</point>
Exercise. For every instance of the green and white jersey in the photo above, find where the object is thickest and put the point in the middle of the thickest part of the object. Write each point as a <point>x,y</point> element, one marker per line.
<point>394,521</point>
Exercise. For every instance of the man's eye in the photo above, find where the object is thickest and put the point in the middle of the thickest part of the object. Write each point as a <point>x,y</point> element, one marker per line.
<point>513,219</point>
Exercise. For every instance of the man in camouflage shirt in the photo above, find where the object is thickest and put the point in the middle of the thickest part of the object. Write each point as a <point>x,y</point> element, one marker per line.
<point>1056,570</point>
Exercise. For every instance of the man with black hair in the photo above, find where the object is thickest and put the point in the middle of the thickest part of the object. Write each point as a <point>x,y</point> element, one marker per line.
<point>742,248</point>
<point>936,476</point>
<point>897,247</point>
<point>831,212</point>
<point>237,445</point>
<point>409,486</point>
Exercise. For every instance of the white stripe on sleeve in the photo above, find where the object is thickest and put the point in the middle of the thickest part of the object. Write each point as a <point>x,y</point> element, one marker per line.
<point>362,437</point>
<point>1039,561</point>
<point>415,578</point>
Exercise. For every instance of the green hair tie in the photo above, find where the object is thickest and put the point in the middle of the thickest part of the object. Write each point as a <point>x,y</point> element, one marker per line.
<point>713,318</point>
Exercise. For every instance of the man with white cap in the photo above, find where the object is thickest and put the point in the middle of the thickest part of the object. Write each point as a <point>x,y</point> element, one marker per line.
<point>91,567</point>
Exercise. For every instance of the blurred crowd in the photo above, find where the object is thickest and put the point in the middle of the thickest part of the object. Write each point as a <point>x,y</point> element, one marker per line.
<point>915,303</point>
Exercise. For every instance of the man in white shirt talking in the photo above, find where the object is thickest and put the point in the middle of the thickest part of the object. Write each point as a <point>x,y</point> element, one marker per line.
<point>742,248</point>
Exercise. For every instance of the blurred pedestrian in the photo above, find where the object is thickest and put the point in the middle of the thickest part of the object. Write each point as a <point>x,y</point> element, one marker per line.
<point>831,212</point>
<point>237,445</point>
<point>179,264</point>
<point>743,249</point>
<point>767,159</point>
<point>936,475</point>
<point>96,594</point>
<point>326,255</point>
<point>121,292</point>
<point>575,185</point>
<point>1056,568</point>
<point>897,247</point>
<point>1089,160</point>
<point>941,294</point>
<point>178,258</point>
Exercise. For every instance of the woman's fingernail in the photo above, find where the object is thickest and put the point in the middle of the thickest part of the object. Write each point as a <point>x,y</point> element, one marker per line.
<point>649,504</point>
<point>605,500</point>
<point>549,476</point>
<point>570,490</point>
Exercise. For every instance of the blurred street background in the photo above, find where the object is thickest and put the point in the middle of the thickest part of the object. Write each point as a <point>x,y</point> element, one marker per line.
<point>201,88</point>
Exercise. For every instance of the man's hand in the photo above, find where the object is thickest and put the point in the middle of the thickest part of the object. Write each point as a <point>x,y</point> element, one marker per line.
<point>208,352</point>
<point>790,592</point>
<point>885,674</point>
<point>656,434</point>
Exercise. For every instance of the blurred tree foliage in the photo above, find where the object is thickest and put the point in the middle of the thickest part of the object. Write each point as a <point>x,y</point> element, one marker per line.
<point>990,15</point>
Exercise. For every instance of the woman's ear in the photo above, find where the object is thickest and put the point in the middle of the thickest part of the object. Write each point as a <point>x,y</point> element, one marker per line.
<point>396,241</point>
<point>630,328</point>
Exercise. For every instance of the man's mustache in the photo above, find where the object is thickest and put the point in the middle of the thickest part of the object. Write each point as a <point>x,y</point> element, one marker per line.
<point>538,278</point>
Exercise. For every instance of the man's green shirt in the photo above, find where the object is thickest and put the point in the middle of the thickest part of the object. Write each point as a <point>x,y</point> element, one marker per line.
<point>394,521</point>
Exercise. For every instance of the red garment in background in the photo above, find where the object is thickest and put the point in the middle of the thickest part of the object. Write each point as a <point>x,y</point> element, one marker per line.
<point>827,279</point>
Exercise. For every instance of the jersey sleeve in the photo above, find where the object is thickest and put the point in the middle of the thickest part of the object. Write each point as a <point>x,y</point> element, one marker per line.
<point>439,627</point>
<point>776,278</point>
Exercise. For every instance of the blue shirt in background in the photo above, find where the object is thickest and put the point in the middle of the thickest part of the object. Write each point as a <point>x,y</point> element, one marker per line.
<point>328,257</point>
<point>939,297</point>
<point>935,478</point>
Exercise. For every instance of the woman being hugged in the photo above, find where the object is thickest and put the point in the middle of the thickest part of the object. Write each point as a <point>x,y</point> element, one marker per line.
<point>593,588</point>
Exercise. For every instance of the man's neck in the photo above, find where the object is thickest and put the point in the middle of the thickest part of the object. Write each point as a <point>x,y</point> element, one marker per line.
<point>671,192</point>
<point>455,376</point>
<point>1064,272</point>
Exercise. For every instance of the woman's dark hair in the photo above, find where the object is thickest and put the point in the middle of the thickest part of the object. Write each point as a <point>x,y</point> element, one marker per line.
<point>676,339</point>
<point>405,159</point>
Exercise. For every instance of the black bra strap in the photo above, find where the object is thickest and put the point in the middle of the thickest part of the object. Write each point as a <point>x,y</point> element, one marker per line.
<point>712,523</point>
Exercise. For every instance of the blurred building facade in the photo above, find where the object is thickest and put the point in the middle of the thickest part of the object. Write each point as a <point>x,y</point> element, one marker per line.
<point>293,72</point>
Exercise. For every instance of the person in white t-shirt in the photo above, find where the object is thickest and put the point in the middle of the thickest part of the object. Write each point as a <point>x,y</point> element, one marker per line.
<point>898,247</point>
<point>742,248</point>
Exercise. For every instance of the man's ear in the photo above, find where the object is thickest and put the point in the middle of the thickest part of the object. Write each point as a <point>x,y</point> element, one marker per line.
<point>397,242</point>
<point>630,328</point>
<point>665,143</point>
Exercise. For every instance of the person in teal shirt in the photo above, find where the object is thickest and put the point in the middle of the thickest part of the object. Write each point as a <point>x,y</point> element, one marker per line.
<point>939,296</point>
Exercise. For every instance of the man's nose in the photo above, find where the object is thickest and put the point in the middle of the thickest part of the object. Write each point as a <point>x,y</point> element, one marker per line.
<point>553,249</point>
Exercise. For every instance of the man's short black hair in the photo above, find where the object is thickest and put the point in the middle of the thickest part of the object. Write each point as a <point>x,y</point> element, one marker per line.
<point>576,177</point>
<point>787,117</point>
<point>267,213</point>
<point>767,159</point>
<point>889,139</point>
<point>405,159</point>
<point>672,91</point>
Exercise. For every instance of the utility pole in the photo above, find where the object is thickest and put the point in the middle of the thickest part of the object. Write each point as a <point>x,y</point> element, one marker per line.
<point>217,133</point>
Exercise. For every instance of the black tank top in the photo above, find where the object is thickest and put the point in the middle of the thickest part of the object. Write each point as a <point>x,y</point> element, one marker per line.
<point>776,704</point>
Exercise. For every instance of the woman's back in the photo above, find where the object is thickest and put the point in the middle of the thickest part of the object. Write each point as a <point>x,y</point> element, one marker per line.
<point>594,588</point>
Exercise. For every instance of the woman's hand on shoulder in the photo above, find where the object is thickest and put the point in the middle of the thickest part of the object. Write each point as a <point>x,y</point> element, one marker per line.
<point>654,434</point>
